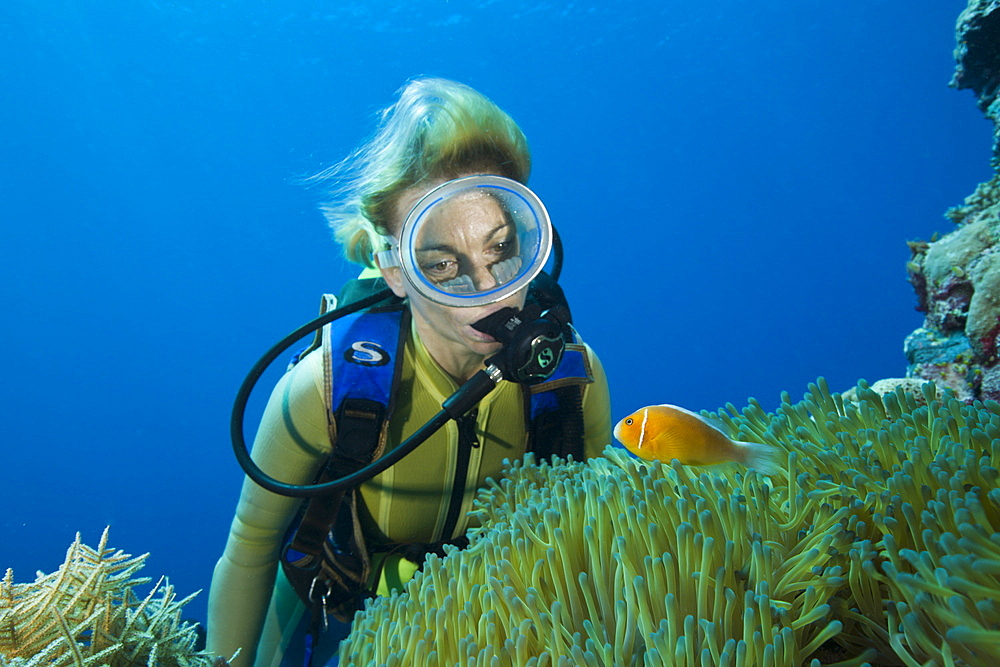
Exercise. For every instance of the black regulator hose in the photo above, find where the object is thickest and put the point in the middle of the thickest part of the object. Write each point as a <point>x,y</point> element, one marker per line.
<point>557,255</point>
<point>242,396</point>
<point>532,348</point>
<point>460,402</point>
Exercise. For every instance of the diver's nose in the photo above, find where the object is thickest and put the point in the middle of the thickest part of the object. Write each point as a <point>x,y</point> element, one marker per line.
<point>483,278</point>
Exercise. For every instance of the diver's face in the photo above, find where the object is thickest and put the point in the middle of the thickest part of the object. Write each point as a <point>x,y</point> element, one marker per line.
<point>465,243</point>
<point>463,246</point>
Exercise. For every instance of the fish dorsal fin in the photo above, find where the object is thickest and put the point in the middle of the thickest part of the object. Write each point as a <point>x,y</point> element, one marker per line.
<point>717,424</point>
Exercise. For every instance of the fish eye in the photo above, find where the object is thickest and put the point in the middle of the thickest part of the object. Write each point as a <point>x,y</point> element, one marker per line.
<point>628,422</point>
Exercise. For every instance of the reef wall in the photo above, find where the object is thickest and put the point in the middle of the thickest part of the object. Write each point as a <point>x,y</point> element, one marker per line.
<point>977,58</point>
<point>957,277</point>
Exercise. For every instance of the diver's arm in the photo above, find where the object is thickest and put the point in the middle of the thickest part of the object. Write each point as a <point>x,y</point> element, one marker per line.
<point>291,444</point>
<point>596,410</point>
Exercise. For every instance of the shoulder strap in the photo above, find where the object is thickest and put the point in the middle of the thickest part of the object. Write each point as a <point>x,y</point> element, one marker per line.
<point>326,558</point>
<point>555,407</point>
<point>365,350</point>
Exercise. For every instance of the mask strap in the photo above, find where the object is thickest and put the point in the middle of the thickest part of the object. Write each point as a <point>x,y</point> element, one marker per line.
<point>390,256</point>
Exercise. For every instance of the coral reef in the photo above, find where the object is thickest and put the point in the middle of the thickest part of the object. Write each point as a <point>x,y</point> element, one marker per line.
<point>977,58</point>
<point>957,280</point>
<point>881,544</point>
<point>957,277</point>
<point>86,614</point>
<point>912,386</point>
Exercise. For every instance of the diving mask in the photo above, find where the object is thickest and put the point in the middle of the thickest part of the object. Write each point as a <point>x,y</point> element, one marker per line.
<point>472,241</point>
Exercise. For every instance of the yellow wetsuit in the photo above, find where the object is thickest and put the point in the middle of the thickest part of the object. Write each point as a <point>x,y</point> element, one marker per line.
<point>408,502</point>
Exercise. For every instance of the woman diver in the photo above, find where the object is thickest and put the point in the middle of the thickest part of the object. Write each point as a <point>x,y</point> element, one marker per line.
<point>435,204</point>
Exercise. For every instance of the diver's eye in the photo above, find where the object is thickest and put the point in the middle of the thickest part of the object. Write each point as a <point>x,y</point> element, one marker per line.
<point>442,270</point>
<point>628,422</point>
<point>504,249</point>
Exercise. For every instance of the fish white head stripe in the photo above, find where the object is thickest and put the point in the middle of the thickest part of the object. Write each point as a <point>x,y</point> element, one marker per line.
<point>642,431</point>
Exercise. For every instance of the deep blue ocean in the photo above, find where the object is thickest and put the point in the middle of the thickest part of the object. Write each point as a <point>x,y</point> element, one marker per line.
<point>734,182</point>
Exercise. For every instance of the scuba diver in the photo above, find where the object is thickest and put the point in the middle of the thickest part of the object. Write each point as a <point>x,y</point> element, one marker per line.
<point>435,205</point>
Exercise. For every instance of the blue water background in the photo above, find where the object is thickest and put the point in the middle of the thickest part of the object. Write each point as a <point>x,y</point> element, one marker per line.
<point>735,183</point>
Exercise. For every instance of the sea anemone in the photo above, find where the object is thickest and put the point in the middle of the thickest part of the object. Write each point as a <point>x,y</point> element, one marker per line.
<point>880,544</point>
<point>919,476</point>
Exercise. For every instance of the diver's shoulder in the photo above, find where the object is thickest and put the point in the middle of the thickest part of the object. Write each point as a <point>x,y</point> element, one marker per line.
<point>587,350</point>
<point>307,375</point>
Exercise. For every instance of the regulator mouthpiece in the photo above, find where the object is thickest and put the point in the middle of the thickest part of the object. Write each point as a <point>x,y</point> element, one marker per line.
<point>532,343</point>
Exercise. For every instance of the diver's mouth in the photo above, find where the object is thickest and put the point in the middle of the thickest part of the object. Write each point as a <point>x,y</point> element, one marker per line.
<point>480,336</point>
<point>482,315</point>
<point>486,320</point>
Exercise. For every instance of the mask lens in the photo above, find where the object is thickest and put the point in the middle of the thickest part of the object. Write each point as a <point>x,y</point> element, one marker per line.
<point>475,240</point>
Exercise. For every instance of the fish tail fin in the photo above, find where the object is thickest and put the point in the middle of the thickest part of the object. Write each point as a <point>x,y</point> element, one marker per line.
<point>765,459</point>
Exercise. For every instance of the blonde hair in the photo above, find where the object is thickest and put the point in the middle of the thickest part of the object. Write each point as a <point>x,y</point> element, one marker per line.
<point>437,130</point>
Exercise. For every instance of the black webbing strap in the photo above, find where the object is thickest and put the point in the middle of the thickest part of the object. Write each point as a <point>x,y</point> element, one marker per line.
<point>559,432</point>
<point>359,425</point>
<point>326,559</point>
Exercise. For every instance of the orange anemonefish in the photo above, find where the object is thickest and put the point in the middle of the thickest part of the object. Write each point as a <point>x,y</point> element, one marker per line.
<point>666,432</point>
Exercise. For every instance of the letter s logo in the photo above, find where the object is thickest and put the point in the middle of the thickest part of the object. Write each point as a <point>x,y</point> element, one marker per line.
<point>366,353</point>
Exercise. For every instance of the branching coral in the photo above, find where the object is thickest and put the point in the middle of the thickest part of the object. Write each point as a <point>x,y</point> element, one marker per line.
<point>883,539</point>
<point>87,614</point>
